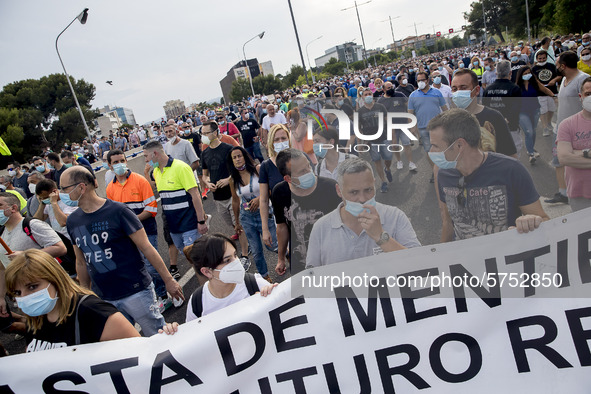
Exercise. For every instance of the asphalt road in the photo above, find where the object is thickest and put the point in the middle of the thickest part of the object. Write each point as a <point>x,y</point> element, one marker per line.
<point>409,191</point>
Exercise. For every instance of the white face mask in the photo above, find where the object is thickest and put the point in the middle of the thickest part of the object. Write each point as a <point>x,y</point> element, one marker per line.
<point>422,85</point>
<point>587,103</point>
<point>586,57</point>
<point>233,272</point>
<point>32,188</point>
<point>279,146</point>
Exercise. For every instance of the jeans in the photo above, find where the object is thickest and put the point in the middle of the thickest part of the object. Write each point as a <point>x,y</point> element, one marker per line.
<point>529,125</point>
<point>185,239</point>
<point>142,307</point>
<point>253,228</point>
<point>159,285</point>
<point>255,151</point>
<point>425,139</point>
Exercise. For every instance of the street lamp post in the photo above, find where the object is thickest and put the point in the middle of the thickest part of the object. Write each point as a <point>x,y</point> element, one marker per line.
<point>298,40</point>
<point>82,18</point>
<point>360,29</point>
<point>374,56</point>
<point>527,16</point>
<point>308,56</point>
<point>246,61</point>
<point>392,29</point>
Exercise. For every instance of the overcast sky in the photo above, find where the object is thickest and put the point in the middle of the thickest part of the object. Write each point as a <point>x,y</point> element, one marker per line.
<point>155,50</point>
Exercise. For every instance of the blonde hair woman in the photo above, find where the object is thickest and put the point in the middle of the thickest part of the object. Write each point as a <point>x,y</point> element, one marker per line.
<point>58,311</point>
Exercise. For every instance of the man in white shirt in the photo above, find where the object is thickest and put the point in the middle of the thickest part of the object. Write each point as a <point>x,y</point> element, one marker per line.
<point>52,207</point>
<point>271,119</point>
<point>178,148</point>
<point>443,88</point>
<point>359,227</point>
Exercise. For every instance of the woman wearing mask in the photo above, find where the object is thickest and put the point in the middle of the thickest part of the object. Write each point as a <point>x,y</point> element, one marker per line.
<point>299,134</point>
<point>476,66</point>
<point>585,63</point>
<point>244,184</point>
<point>214,256</point>
<point>269,175</point>
<point>529,114</point>
<point>58,311</point>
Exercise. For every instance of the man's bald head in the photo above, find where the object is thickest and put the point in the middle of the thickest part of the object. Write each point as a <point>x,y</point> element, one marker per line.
<point>78,174</point>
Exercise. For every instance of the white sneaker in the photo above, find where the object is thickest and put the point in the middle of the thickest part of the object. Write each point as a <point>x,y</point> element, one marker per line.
<point>399,165</point>
<point>412,166</point>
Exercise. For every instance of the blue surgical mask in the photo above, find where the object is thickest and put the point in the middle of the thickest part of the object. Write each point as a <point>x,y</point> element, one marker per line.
<point>475,63</point>
<point>487,68</point>
<point>341,102</point>
<point>388,78</point>
<point>440,68</point>
<point>355,208</point>
<point>68,165</point>
<point>526,77</point>
<point>37,304</point>
<point>319,150</point>
<point>279,146</point>
<point>65,198</point>
<point>3,218</point>
<point>438,158</point>
<point>495,59</point>
<point>461,98</point>
<point>514,58</point>
<point>306,181</point>
<point>40,168</point>
<point>368,99</point>
<point>265,111</point>
<point>437,80</point>
<point>120,168</point>
<point>47,201</point>
<point>50,166</point>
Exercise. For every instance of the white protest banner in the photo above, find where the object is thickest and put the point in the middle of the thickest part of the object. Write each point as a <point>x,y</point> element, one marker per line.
<point>282,344</point>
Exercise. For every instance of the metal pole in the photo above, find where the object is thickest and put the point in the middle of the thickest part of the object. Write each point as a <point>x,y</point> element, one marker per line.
<point>362,39</point>
<point>298,40</point>
<point>308,57</point>
<point>246,61</point>
<point>527,16</point>
<point>392,30</point>
<point>484,19</point>
<point>68,77</point>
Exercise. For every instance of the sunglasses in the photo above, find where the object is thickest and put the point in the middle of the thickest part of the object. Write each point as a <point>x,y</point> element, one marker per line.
<point>462,195</point>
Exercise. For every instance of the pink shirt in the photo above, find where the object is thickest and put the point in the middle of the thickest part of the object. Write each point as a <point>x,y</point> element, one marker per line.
<point>576,130</point>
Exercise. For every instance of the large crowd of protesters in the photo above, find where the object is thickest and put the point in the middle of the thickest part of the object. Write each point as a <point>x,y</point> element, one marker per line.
<point>83,268</point>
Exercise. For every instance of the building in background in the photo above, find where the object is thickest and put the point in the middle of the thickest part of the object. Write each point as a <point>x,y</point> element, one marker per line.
<point>239,70</point>
<point>125,115</point>
<point>109,120</point>
<point>174,108</point>
<point>348,52</point>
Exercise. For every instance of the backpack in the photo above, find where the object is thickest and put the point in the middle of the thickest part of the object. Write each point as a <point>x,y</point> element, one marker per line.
<point>197,300</point>
<point>67,261</point>
<point>488,139</point>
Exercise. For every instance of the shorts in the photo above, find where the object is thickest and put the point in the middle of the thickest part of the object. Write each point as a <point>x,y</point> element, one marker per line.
<point>402,138</point>
<point>380,151</point>
<point>224,207</point>
<point>425,139</point>
<point>547,104</point>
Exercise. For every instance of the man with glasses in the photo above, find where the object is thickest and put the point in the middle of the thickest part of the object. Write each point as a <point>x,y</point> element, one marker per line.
<point>480,192</point>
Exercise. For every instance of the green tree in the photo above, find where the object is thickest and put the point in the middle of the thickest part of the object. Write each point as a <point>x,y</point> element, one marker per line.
<point>570,16</point>
<point>292,75</point>
<point>46,111</point>
<point>358,65</point>
<point>11,130</point>
<point>496,13</point>
<point>266,84</point>
<point>240,89</point>
<point>334,67</point>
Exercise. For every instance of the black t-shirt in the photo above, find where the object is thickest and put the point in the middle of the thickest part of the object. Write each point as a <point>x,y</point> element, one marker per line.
<point>248,129</point>
<point>232,116</point>
<point>369,121</point>
<point>405,90</point>
<point>22,183</point>
<point>504,96</point>
<point>214,160</point>
<point>300,214</point>
<point>92,317</point>
<point>90,157</point>
<point>195,140</point>
<point>515,69</point>
<point>545,74</point>
<point>57,174</point>
<point>398,103</point>
<point>505,143</point>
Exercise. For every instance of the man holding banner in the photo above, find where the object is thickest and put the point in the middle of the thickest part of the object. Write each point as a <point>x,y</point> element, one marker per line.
<point>360,226</point>
<point>480,192</point>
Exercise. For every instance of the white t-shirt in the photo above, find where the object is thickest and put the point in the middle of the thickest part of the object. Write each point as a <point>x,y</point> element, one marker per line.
<point>279,118</point>
<point>141,134</point>
<point>16,239</point>
<point>66,209</point>
<point>183,150</point>
<point>212,304</point>
<point>446,92</point>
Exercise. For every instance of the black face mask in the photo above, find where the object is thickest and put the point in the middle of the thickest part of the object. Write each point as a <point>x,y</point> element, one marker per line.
<point>390,92</point>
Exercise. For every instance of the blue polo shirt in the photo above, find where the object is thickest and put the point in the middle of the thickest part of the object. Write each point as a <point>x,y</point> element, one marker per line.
<point>426,105</point>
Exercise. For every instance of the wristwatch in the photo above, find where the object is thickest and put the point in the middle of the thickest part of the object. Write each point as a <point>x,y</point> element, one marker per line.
<point>586,153</point>
<point>384,237</point>
<point>201,221</point>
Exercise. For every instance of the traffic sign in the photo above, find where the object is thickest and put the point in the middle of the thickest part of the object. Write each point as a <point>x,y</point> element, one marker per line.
<point>428,36</point>
<point>438,34</point>
<point>463,27</point>
<point>451,31</point>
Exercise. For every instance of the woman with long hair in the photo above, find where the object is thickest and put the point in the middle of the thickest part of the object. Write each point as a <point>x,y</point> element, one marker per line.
<point>529,114</point>
<point>279,139</point>
<point>244,184</point>
<point>58,312</point>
